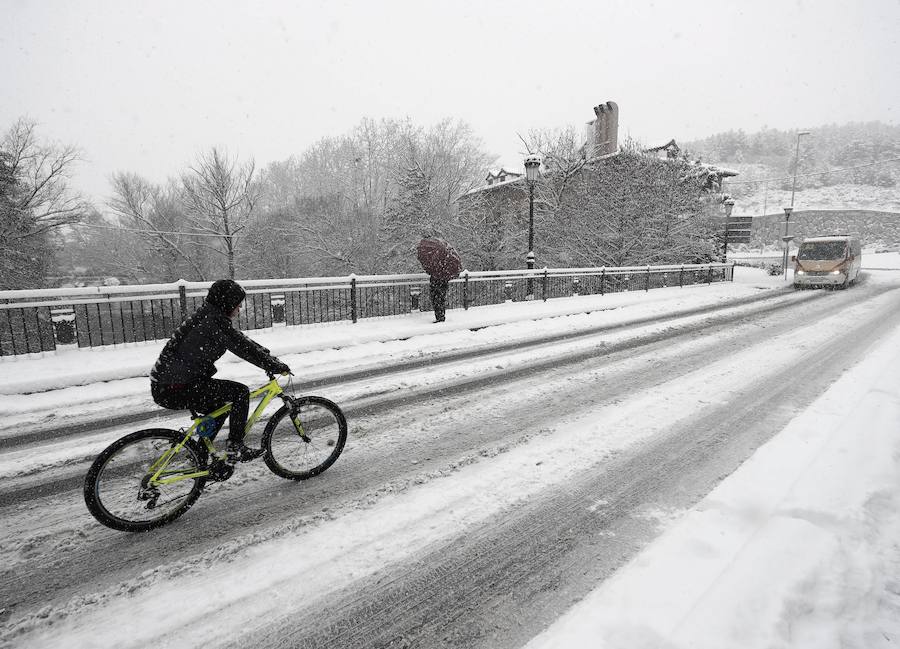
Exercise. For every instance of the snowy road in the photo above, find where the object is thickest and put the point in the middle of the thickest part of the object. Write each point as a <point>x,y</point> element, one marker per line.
<point>477,499</point>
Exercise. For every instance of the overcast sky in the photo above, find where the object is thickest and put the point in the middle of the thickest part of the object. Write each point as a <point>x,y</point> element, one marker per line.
<point>145,86</point>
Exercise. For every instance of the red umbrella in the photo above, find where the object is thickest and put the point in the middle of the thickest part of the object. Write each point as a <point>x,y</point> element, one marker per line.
<point>438,258</point>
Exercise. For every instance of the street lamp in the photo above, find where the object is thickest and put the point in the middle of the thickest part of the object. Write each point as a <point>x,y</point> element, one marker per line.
<point>796,166</point>
<point>729,206</point>
<point>787,210</point>
<point>786,238</point>
<point>532,172</point>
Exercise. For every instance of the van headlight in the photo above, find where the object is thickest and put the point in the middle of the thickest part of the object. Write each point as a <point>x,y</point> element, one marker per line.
<point>836,272</point>
<point>801,272</point>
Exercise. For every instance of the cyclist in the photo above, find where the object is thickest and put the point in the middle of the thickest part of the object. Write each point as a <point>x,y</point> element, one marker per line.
<point>182,376</point>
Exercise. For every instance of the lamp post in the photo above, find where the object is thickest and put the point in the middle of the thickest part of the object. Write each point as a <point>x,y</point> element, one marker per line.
<point>787,210</point>
<point>729,206</point>
<point>796,166</point>
<point>786,238</point>
<point>532,171</point>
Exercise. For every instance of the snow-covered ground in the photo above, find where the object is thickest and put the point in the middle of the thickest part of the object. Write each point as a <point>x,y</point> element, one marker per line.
<point>800,547</point>
<point>752,198</point>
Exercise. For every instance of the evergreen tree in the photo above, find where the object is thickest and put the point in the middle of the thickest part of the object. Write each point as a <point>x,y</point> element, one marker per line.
<point>35,200</point>
<point>23,258</point>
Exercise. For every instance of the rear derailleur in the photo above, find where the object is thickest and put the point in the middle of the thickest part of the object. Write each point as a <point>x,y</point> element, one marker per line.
<point>150,495</point>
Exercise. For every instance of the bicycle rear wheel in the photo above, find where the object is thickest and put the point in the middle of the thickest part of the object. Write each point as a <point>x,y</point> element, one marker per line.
<point>117,488</point>
<point>303,440</point>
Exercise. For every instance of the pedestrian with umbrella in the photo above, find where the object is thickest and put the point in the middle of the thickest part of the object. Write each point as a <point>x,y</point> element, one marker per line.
<point>442,263</point>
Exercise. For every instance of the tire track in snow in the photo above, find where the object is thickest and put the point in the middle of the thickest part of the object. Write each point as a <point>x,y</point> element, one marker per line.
<point>501,585</point>
<point>432,361</point>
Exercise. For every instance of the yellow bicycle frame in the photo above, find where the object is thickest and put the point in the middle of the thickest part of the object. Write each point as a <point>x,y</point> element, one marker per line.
<point>157,471</point>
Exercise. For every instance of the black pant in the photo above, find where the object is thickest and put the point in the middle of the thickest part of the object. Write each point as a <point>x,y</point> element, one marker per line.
<point>439,289</point>
<point>204,397</point>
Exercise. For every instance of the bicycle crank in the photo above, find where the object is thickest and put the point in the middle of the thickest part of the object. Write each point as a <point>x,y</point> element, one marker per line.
<point>220,471</point>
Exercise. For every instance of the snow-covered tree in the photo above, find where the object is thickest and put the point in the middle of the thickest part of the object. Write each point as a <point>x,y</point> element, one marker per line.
<point>359,202</point>
<point>220,195</point>
<point>35,200</point>
<point>164,248</point>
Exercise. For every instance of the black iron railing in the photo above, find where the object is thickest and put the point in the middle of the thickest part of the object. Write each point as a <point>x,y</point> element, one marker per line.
<point>43,320</point>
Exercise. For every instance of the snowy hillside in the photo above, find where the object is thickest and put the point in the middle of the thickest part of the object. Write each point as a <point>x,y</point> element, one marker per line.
<point>752,200</point>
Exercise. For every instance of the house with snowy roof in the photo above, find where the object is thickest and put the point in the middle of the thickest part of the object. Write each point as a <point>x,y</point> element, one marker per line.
<point>601,142</point>
<point>602,178</point>
<point>714,175</point>
<point>668,151</point>
<point>501,176</point>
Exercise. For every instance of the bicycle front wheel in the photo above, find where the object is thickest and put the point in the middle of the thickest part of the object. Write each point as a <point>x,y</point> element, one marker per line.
<point>119,489</point>
<point>303,440</point>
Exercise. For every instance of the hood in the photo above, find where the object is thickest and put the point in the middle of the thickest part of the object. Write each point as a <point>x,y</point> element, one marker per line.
<point>819,266</point>
<point>225,294</point>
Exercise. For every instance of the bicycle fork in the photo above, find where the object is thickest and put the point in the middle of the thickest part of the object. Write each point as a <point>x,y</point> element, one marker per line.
<point>294,419</point>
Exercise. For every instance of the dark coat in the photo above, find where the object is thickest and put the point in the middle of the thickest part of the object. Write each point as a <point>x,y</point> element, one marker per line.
<point>200,341</point>
<point>438,258</point>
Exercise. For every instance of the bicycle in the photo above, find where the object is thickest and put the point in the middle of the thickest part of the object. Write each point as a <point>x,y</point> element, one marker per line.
<point>150,477</point>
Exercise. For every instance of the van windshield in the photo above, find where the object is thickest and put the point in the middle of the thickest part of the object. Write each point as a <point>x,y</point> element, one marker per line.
<point>819,250</point>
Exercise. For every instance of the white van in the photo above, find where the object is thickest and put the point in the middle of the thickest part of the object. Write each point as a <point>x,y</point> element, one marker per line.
<point>827,261</point>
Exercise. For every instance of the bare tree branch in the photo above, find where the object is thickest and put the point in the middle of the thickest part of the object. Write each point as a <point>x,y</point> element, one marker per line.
<point>142,203</point>
<point>221,196</point>
<point>42,173</point>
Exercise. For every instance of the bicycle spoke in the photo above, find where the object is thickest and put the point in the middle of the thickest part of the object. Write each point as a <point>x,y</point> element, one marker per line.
<point>138,485</point>
<point>306,441</point>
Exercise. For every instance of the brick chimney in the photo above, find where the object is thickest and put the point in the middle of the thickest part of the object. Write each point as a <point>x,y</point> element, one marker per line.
<point>603,132</point>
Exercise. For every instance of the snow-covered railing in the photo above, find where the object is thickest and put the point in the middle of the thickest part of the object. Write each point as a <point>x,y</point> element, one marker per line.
<point>40,320</point>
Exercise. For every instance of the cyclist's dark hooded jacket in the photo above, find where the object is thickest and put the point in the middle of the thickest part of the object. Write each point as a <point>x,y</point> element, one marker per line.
<point>203,338</point>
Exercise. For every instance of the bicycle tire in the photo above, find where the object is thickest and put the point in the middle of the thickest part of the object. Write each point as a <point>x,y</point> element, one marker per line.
<point>122,466</point>
<point>289,455</point>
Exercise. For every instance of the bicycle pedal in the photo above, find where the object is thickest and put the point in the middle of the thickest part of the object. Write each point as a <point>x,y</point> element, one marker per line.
<point>243,454</point>
<point>220,470</point>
